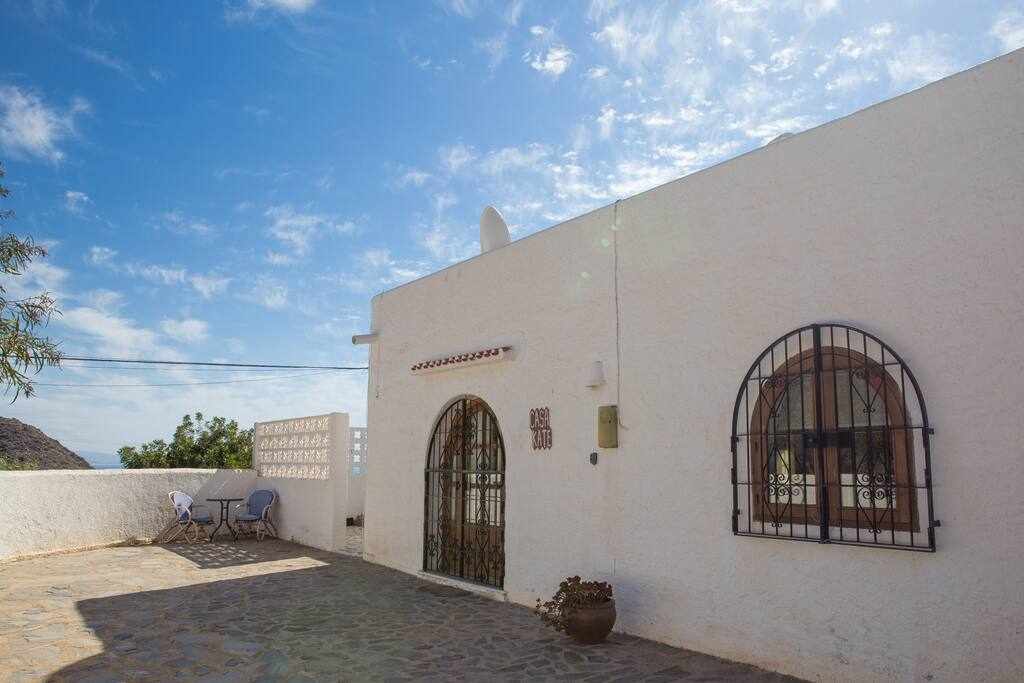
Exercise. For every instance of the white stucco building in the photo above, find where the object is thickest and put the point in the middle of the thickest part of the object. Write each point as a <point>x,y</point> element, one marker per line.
<point>904,221</point>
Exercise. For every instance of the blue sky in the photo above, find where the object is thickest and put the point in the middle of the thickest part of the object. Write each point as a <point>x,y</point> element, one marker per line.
<point>234,180</point>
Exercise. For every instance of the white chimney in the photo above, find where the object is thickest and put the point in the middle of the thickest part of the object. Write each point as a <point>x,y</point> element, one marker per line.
<point>493,230</point>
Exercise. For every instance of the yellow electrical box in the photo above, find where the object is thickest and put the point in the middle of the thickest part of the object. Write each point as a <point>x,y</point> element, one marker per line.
<point>608,426</point>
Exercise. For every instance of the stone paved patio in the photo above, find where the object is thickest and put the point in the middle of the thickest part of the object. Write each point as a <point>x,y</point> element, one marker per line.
<point>278,611</point>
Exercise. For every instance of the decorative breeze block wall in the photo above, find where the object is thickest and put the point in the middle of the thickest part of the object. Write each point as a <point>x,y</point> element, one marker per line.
<point>299,448</point>
<point>357,456</point>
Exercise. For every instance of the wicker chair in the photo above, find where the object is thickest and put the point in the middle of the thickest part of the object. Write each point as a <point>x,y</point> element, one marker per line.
<point>190,521</point>
<point>257,517</point>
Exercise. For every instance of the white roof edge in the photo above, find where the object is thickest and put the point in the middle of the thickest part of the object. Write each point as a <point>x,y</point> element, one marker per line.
<point>1019,52</point>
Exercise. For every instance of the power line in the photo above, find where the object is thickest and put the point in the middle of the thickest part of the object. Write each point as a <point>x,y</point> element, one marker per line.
<point>185,384</point>
<point>105,367</point>
<point>222,365</point>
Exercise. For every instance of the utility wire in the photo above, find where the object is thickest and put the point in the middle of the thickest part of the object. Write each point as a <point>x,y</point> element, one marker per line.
<point>221,365</point>
<point>185,384</point>
<point>259,372</point>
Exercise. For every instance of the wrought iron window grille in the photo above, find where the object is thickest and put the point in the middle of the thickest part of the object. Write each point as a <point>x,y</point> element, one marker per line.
<point>831,443</point>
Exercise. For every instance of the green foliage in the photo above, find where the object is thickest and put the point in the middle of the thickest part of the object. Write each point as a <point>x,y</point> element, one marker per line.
<point>197,442</point>
<point>573,592</point>
<point>21,350</point>
<point>8,463</point>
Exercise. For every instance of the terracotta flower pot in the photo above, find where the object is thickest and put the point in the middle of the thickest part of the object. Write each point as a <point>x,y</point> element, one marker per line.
<point>590,625</point>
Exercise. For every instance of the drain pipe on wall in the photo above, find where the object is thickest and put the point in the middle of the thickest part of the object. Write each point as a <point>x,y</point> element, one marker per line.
<point>618,346</point>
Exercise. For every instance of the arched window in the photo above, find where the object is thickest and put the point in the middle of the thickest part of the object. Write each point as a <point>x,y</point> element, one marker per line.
<point>830,443</point>
<point>464,522</point>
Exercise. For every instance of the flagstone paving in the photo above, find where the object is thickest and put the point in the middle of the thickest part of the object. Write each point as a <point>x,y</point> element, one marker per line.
<point>271,611</point>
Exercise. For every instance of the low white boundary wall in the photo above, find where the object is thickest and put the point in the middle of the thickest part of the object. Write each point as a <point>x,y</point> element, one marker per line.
<point>54,510</point>
<point>305,459</point>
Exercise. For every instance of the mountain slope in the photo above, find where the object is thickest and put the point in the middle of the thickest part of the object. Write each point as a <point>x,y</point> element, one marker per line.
<point>25,444</point>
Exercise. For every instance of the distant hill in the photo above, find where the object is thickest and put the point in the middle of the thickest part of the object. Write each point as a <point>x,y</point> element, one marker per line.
<point>26,444</point>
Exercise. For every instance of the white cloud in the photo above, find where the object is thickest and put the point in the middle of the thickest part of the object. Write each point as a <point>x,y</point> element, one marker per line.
<point>690,114</point>
<point>288,6</point>
<point>495,48</point>
<point>269,293</point>
<point>606,120</point>
<point>249,10</point>
<point>876,39</point>
<point>455,157</point>
<point>445,245</point>
<point>1009,29</point>
<point>297,230</point>
<point>769,130</point>
<point>107,60</point>
<point>922,59</point>
<point>814,9</point>
<point>377,269</point>
<point>105,300</point>
<point>635,176</point>
<point>161,275</point>
<point>179,222</point>
<point>634,36</point>
<point>37,277</point>
<point>513,11</point>
<point>554,62</point>
<point>538,30</point>
<point>187,330</point>
<point>851,79</point>
<point>28,127</point>
<point>688,159</point>
<point>499,161</point>
<point>100,256</point>
<point>570,183</point>
<point>464,8</point>
<point>376,257</point>
<point>444,201</point>
<point>206,285</point>
<point>783,59</point>
<point>76,202</point>
<point>112,335</point>
<point>277,258</point>
<point>657,120</point>
<point>413,177</point>
<point>597,72</point>
<point>209,285</point>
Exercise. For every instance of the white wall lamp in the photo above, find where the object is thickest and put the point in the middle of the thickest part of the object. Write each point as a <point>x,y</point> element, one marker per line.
<point>363,339</point>
<point>595,375</point>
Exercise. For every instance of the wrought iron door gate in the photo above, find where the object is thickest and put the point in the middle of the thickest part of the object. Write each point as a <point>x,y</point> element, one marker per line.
<point>464,507</point>
<point>831,443</point>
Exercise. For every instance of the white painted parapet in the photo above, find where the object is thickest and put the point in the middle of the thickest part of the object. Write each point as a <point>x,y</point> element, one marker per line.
<point>56,510</point>
<point>305,459</point>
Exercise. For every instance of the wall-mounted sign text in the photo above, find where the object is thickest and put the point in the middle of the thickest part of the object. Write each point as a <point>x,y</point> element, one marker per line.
<point>540,425</point>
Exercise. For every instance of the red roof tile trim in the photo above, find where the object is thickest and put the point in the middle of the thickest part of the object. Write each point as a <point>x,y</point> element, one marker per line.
<point>461,360</point>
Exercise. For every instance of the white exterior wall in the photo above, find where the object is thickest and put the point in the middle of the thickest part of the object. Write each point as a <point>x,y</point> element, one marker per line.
<point>53,510</point>
<point>305,459</point>
<point>907,220</point>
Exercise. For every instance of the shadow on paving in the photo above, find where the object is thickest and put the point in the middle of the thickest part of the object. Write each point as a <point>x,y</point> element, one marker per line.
<point>227,553</point>
<point>351,620</point>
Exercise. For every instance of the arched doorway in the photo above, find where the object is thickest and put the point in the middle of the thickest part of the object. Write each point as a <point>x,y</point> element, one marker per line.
<point>464,508</point>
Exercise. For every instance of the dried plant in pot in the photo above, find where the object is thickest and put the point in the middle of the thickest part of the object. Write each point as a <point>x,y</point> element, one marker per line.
<point>583,609</point>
